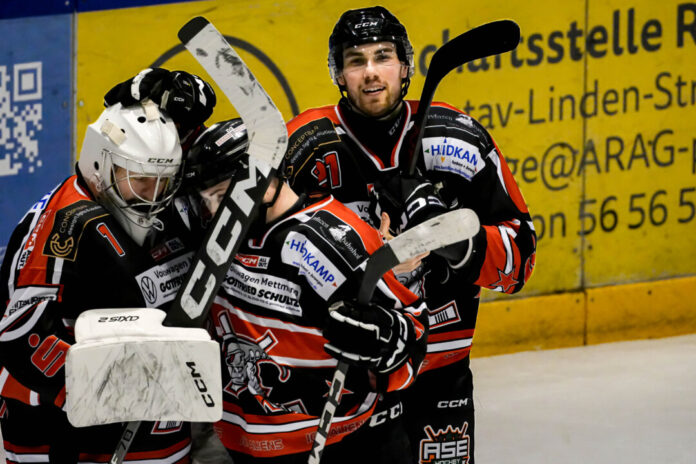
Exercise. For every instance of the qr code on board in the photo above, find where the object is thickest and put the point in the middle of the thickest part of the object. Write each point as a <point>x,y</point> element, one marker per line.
<point>20,118</point>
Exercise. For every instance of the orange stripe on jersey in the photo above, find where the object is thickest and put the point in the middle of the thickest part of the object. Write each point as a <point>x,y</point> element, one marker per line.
<point>60,398</point>
<point>493,273</point>
<point>13,389</point>
<point>453,335</point>
<point>401,378</point>
<point>438,360</point>
<point>26,449</point>
<point>278,338</point>
<point>272,436</point>
<point>158,455</point>
<point>311,115</point>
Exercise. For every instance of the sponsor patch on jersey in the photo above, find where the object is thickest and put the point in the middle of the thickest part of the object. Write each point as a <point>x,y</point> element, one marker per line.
<point>26,297</point>
<point>263,290</point>
<point>322,274</point>
<point>340,236</point>
<point>361,208</point>
<point>452,155</point>
<point>303,142</point>
<point>68,225</point>
<point>444,315</point>
<point>160,283</point>
<point>445,446</point>
<point>167,248</point>
<point>254,261</point>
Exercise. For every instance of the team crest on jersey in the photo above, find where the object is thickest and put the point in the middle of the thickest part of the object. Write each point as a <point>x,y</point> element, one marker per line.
<point>255,261</point>
<point>246,358</point>
<point>68,225</point>
<point>452,155</point>
<point>323,276</point>
<point>449,446</point>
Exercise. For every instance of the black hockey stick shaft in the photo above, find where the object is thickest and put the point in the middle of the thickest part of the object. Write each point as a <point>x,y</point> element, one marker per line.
<point>239,206</point>
<point>451,227</point>
<point>488,39</point>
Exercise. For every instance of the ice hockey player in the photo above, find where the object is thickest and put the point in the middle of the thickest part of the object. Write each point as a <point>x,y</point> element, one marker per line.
<point>286,313</point>
<point>357,151</point>
<point>87,245</point>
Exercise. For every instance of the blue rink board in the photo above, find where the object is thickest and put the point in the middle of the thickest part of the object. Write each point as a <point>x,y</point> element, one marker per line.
<point>35,116</point>
<point>24,8</point>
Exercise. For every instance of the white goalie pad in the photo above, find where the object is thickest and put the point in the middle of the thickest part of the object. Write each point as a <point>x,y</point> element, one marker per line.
<point>127,366</point>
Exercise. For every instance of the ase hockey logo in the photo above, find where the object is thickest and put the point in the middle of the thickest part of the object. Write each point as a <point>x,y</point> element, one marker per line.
<point>450,446</point>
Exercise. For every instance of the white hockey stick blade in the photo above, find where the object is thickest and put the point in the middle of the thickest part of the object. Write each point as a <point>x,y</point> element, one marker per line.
<point>445,229</point>
<point>268,136</point>
<point>126,366</point>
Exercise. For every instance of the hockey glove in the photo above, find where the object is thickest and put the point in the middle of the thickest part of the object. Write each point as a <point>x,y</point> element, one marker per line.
<point>187,98</point>
<point>368,336</point>
<point>408,200</point>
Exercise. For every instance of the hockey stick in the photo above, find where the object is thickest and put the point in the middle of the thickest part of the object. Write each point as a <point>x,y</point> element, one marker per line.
<point>446,229</point>
<point>267,144</point>
<point>486,40</point>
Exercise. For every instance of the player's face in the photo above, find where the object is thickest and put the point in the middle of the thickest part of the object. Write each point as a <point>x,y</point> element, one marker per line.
<point>134,187</point>
<point>372,74</point>
<point>212,196</point>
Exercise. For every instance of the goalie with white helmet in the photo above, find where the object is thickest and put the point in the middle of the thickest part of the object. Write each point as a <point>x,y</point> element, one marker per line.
<point>131,158</point>
<point>83,246</point>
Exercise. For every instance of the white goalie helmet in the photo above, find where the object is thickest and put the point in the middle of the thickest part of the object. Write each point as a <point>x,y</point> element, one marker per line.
<point>131,156</point>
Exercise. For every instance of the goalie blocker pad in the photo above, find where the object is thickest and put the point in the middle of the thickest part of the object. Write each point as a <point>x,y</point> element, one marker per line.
<point>127,366</point>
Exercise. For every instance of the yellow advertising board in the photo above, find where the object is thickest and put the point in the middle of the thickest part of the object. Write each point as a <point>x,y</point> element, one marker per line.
<point>594,111</point>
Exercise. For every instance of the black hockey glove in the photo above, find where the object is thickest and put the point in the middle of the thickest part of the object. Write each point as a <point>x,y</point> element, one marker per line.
<point>368,336</point>
<point>187,98</point>
<point>408,200</point>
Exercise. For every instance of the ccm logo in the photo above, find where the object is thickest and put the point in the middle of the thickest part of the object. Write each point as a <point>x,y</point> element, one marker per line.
<point>365,24</point>
<point>200,385</point>
<point>452,403</point>
<point>224,236</point>
<point>160,160</point>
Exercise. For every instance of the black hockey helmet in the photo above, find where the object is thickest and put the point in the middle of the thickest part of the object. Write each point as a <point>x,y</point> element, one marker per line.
<point>365,25</point>
<point>215,155</point>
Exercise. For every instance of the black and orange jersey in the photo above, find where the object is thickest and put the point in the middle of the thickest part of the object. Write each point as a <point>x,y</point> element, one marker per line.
<point>269,316</point>
<point>333,152</point>
<point>68,255</point>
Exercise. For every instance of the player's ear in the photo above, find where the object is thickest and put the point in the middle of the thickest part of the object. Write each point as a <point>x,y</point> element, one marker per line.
<point>404,71</point>
<point>340,80</point>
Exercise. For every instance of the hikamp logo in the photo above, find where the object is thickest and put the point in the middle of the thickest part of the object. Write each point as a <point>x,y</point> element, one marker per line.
<point>447,446</point>
<point>149,289</point>
<point>61,249</point>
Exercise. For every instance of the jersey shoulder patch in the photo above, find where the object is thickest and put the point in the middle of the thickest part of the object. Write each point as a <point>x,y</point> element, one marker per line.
<point>305,140</point>
<point>69,223</point>
<point>339,235</point>
<point>454,142</point>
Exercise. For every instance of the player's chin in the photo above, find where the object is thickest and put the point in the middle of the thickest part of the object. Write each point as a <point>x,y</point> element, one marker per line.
<point>375,107</point>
